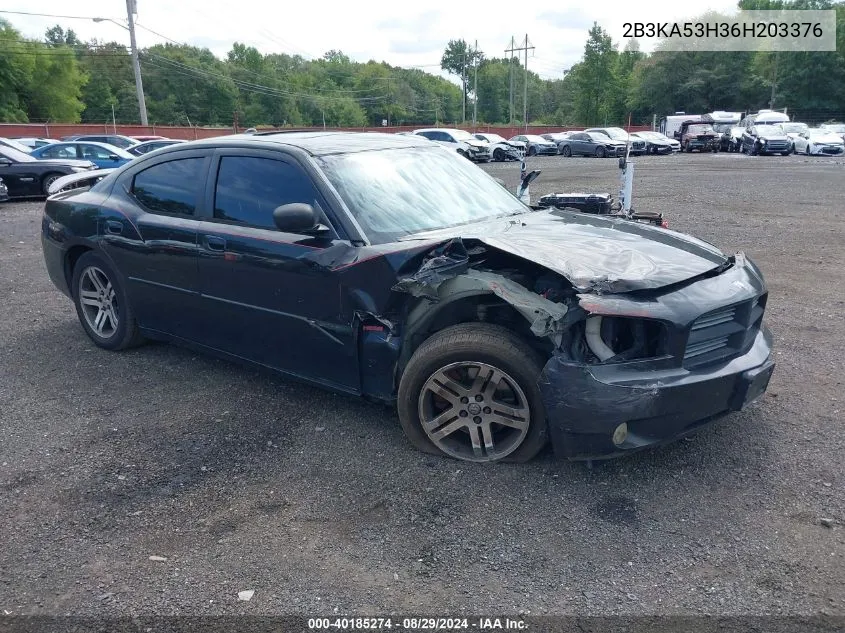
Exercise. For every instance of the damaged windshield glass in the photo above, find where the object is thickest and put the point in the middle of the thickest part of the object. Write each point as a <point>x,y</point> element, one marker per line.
<point>394,193</point>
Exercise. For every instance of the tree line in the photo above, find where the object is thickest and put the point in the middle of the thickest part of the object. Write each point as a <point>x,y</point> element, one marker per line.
<point>62,79</point>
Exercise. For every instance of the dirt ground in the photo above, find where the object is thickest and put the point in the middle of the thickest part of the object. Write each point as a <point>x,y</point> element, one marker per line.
<point>244,481</point>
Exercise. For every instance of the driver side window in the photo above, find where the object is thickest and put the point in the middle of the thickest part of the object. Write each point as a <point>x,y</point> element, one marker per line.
<point>249,189</point>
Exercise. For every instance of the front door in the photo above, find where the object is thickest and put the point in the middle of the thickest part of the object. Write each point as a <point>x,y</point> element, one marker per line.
<point>263,299</point>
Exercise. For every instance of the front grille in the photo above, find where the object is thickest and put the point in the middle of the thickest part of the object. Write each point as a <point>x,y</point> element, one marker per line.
<point>638,145</point>
<point>724,333</point>
<point>777,146</point>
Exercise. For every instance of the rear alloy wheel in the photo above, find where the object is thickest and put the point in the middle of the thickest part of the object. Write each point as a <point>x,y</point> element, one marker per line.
<point>470,392</point>
<point>48,180</point>
<point>101,304</point>
<point>600,152</point>
<point>566,151</point>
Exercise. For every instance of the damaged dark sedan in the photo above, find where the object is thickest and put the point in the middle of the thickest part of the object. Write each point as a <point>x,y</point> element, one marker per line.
<point>388,267</point>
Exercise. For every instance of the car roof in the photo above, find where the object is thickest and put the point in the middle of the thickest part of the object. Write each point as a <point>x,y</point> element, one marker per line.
<point>317,143</point>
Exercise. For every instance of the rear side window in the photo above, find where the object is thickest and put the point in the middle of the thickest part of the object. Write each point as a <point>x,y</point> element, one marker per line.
<point>249,188</point>
<point>171,187</point>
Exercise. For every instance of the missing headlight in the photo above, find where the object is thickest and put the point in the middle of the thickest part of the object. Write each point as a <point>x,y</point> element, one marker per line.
<point>613,339</point>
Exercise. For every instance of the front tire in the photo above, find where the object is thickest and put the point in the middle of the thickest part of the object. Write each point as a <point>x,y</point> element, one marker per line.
<point>566,151</point>
<point>532,151</point>
<point>102,305</point>
<point>498,154</point>
<point>48,180</point>
<point>470,392</point>
<point>600,152</point>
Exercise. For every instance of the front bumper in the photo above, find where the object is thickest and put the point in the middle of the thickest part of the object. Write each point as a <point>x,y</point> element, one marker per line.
<point>545,150</point>
<point>827,150</point>
<point>584,404</point>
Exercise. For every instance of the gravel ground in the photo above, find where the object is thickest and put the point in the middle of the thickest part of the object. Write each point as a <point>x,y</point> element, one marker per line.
<point>244,481</point>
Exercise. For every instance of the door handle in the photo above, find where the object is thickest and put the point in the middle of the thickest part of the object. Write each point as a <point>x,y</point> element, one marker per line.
<point>214,243</point>
<point>115,227</point>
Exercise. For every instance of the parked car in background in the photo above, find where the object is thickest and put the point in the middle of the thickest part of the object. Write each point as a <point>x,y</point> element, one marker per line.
<point>4,191</point>
<point>118,140</point>
<point>592,144</point>
<point>14,144</point>
<point>501,148</point>
<point>557,137</point>
<point>382,266</point>
<point>147,137</point>
<point>695,135</point>
<point>536,145</point>
<point>735,143</point>
<point>766,139</point>
<point>669,125</point>
<point>25,175</point>
<point>149,146</point>
<point>819,142</point>
<point>460,140</point>
<point>836,128</point>
<point>638,146</point>
<point>33,142</point>
<point>101,154</point>
<point>722,123</point>
<point>657,143</point>
<point>793,130</point>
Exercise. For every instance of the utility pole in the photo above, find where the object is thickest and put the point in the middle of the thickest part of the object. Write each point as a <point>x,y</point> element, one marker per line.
<point>464,86</point>
<point>525,47</point>
<point>475,88</point>
<point>525,95</point>
<point>774,83</point>
<point>388,101</point>
<point>510,79</point>
<point>131,8</point>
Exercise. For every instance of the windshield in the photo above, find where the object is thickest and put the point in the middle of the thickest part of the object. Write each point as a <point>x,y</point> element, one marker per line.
<point>838,128</point>
<point>600,138</point>
<point>463,135</point>
<point>617,132</point>
<point>15,155</point>
<point>699,129</point>
<point>395,193</point>
<point>794,127</point>
<point>722,127</point>
<point>533,138</point>
<point>494,138</point>
<point>16,145</point>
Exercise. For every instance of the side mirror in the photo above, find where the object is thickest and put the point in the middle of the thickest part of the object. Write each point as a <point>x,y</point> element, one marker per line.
<point>296,217</point>
<point>114,156</point>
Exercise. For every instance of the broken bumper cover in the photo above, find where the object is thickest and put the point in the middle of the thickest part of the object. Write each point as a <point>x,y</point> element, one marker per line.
<point>584,404</point>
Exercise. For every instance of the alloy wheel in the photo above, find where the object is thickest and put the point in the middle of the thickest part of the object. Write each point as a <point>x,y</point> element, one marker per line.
<point>474,411</point>
<point>99,302</point>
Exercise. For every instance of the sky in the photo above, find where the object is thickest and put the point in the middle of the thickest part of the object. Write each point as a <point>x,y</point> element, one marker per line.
<point>401,36</point>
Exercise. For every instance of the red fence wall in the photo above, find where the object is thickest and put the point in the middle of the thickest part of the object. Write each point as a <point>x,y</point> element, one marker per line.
<point>58,130</point>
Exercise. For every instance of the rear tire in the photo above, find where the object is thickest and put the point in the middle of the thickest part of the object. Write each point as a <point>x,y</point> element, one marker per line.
<point>102,305</point>
<point>448,383</point>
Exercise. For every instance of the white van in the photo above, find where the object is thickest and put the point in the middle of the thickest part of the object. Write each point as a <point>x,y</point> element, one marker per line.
<point>764,117</point>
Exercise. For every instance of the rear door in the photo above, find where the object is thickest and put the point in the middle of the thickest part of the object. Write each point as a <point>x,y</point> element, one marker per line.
<point>262,298</point>
<point>148,227</point>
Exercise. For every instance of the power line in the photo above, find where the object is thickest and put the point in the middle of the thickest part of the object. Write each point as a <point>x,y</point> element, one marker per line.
<point>53,15</point>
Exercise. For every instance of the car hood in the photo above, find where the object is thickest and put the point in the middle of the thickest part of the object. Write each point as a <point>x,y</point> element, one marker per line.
<point>833,139</point>
<point>773,136</point>
<point>594,253</point>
